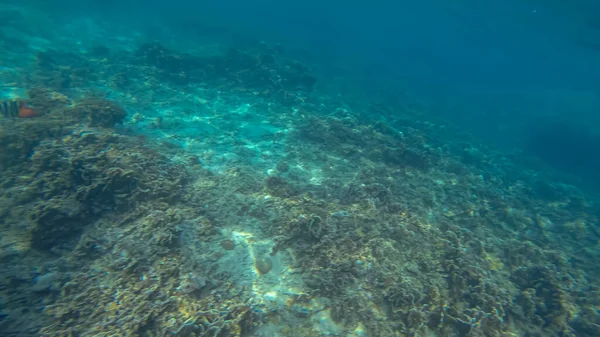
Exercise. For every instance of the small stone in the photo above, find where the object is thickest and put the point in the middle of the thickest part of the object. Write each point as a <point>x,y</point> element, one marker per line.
<point>301,310</point>
<point>228,244</point>
<point>47,282</point>
<point>264,265</point>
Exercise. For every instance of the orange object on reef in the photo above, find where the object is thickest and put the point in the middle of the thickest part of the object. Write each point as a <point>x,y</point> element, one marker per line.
<point>17,108</point>
<point>27,112</point>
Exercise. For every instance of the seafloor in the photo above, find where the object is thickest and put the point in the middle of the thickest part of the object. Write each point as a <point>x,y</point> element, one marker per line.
<point>215,191</point>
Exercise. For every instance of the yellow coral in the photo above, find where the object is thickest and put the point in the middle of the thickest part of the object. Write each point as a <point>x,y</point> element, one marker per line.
<point>494,262</point>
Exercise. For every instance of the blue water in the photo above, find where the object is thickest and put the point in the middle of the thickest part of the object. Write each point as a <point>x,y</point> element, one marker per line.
<point>516,60</point>
<point>300,168</point>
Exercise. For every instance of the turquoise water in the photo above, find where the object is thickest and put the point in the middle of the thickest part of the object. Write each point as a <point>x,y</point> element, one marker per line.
<point>227,168</point>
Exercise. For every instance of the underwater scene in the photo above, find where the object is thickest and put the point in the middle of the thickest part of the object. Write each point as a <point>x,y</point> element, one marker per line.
<point>228,168</point>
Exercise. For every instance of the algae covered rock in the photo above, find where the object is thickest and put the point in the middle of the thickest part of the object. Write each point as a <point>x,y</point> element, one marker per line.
<point>97,112</point>
<point>69,175</point>
<point>55,224</point>
<point>155,54</point>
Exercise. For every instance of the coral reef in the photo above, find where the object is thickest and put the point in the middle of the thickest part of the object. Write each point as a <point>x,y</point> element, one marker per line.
<point>254,72</point>
<point>221,194</point>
